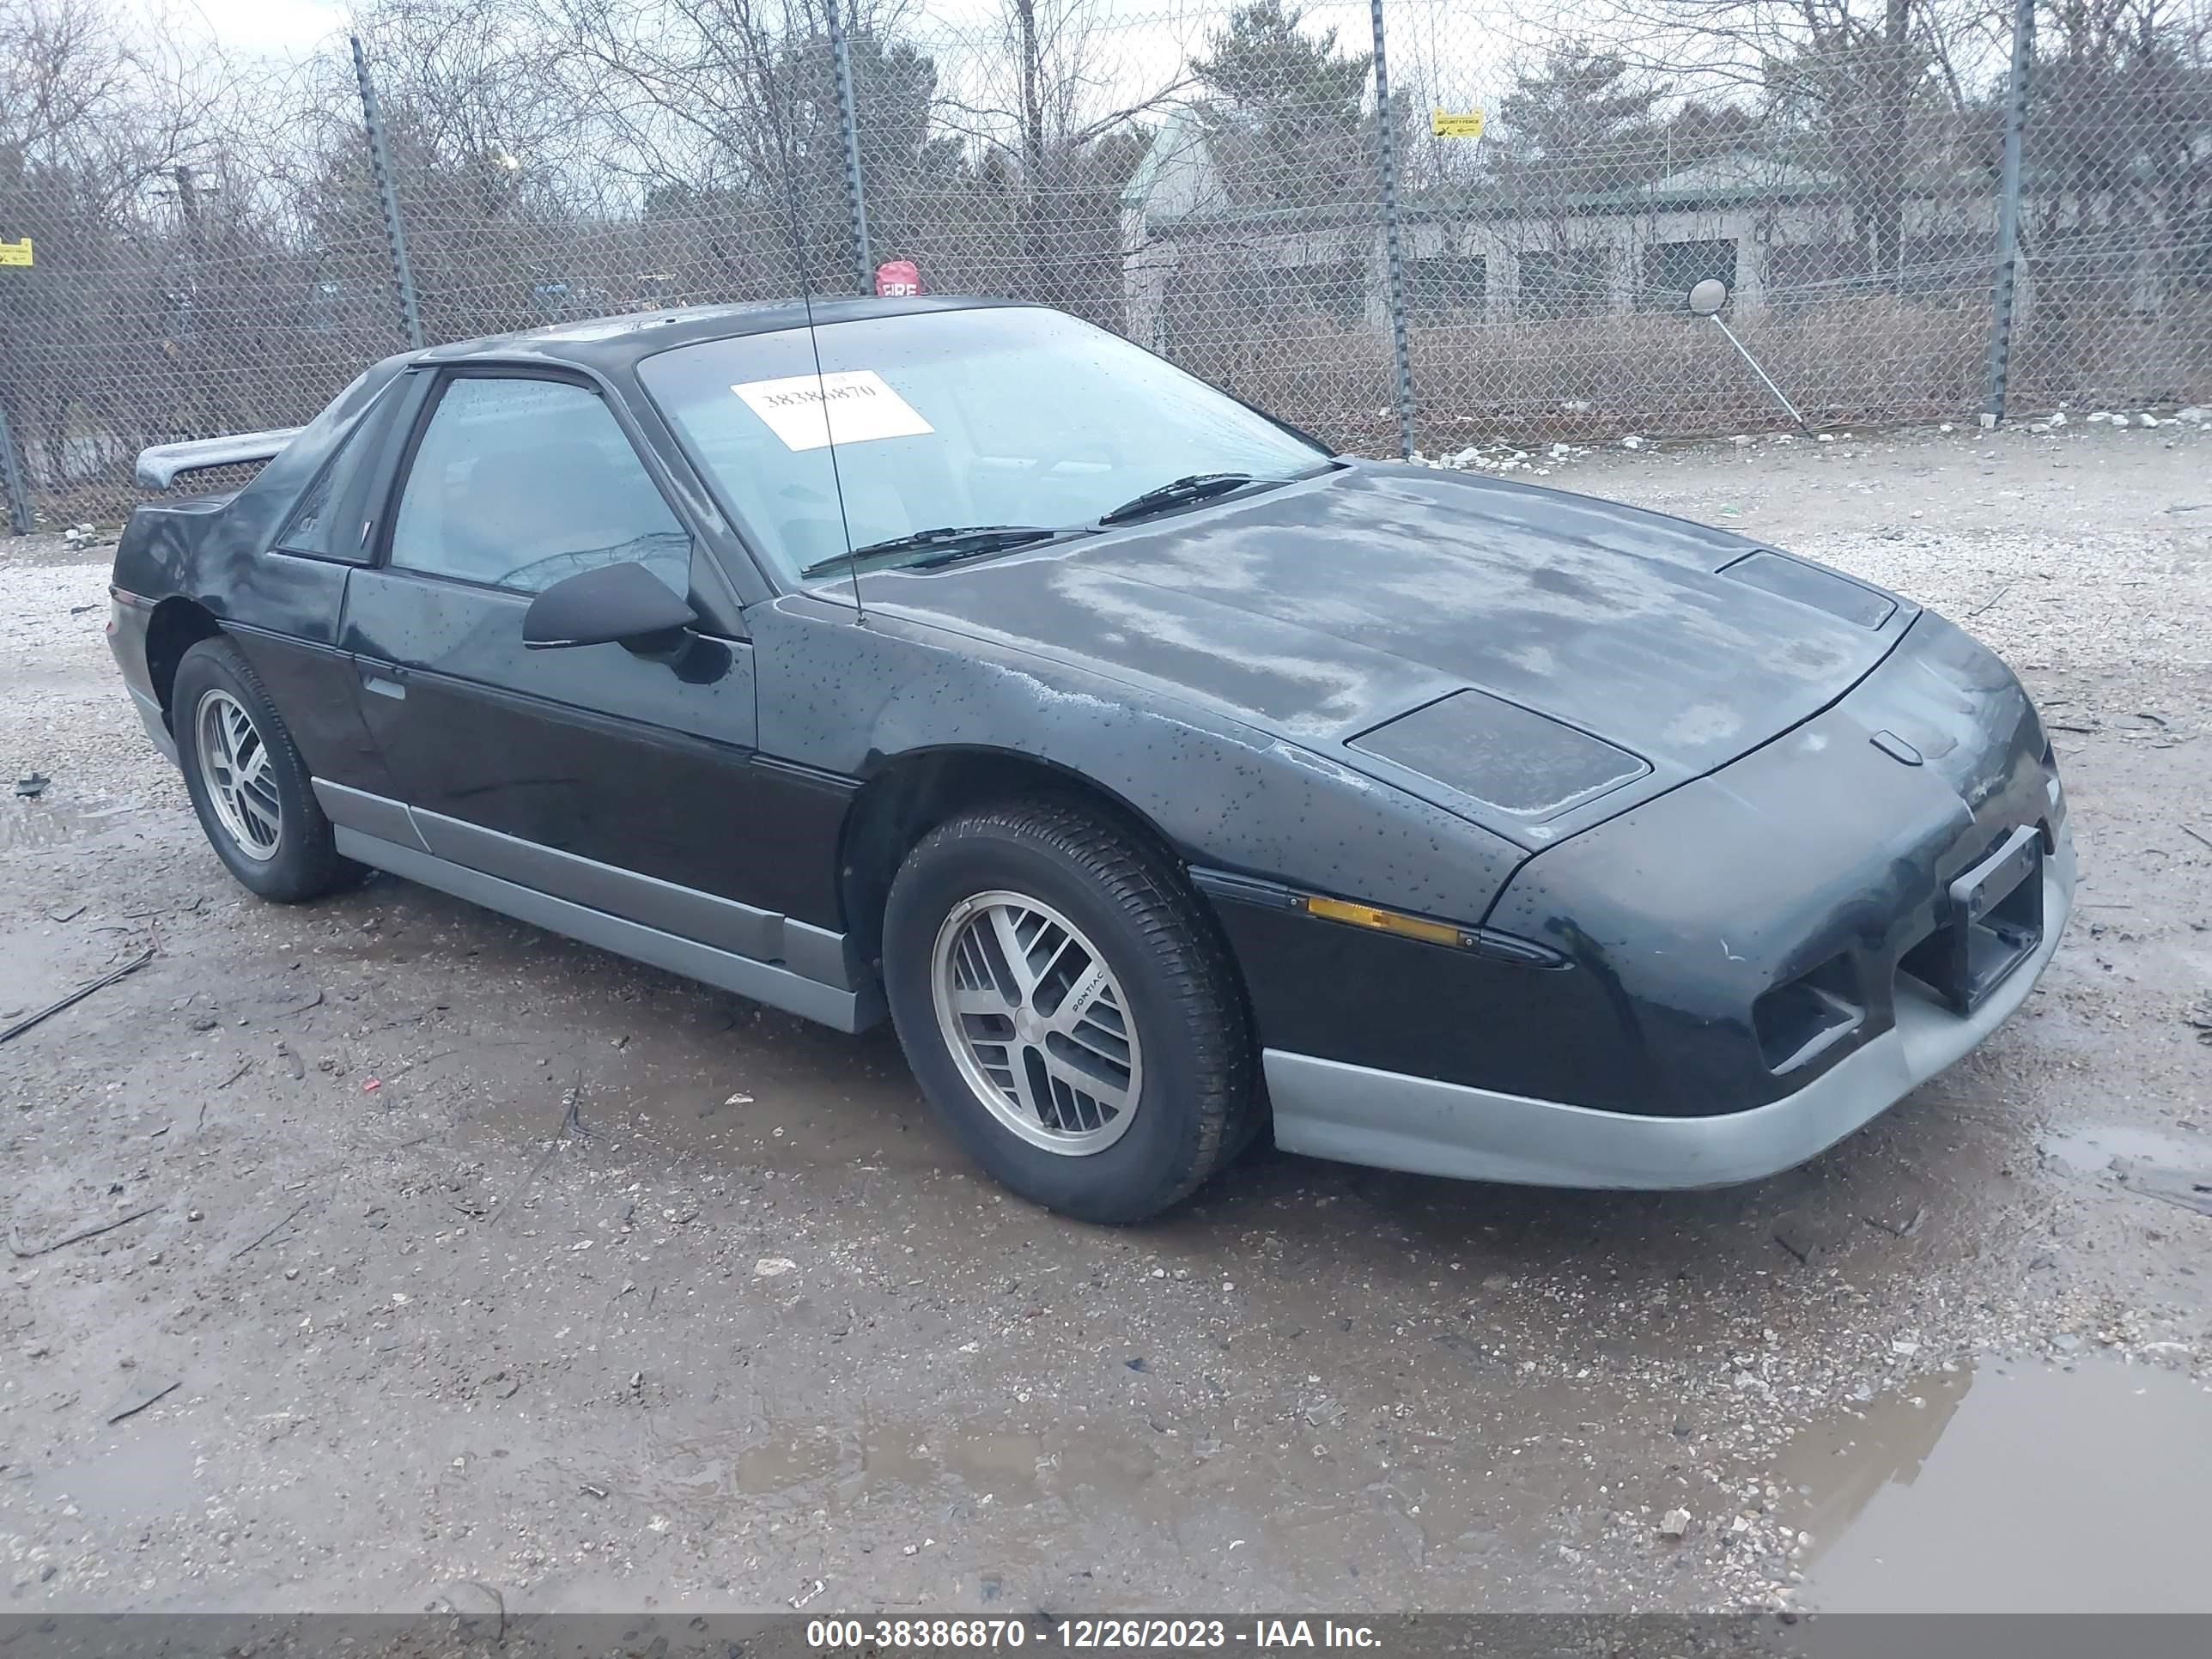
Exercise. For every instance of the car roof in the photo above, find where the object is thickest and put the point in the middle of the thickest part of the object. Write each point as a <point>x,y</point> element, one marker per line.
<point>611,343</point>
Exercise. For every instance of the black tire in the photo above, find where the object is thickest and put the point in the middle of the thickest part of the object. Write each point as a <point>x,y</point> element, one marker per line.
<point>304,863</point>
<point>1195,1101</point>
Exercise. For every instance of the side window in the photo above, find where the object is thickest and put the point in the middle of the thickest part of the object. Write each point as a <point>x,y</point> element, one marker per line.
<point>520,483</point>
<point>313,528</point>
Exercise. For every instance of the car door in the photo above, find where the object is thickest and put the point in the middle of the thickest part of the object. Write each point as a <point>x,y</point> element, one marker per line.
<point>281,587</point>
<point>619,780</point>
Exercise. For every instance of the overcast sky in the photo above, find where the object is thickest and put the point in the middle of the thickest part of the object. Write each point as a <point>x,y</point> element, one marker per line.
<point>281,28</point>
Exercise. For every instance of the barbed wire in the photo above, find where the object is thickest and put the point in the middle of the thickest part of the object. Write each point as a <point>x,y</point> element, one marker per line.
<point>211,250</point>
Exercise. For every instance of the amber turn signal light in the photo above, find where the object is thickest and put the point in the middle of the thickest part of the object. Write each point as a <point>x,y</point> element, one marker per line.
<point>1382,922</point>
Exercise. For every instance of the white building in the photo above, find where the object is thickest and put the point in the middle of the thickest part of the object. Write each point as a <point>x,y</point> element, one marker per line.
<point>1776,233</point>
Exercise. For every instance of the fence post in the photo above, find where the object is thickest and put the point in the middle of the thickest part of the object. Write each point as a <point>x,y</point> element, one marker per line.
<point>2008,266</point>
<point>395,234</point>
<point>856,199</point>
<point>1386,145</point>
<point>11,474</point>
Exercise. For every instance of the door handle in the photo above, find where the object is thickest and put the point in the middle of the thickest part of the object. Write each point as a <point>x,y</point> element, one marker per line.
<point>385,681</point>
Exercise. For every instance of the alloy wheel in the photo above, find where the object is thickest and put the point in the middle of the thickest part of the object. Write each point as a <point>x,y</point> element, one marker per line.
<point>1038,1023</point>
<point>241,784</point>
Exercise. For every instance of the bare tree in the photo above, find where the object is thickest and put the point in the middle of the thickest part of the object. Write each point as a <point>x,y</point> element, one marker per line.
<point>1863,91</point>
<point>1054,124</point>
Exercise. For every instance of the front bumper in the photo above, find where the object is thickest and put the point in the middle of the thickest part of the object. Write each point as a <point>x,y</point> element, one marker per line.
<point>1327,1109</point>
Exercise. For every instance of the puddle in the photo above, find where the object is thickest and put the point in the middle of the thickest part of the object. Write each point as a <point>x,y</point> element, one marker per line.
<point>2093,1148</point>
<point>2025,1489</point>
<point>840,1467</point>
<point>2173,1167</point>
<point>31,824</point>
<point>152,1476</point>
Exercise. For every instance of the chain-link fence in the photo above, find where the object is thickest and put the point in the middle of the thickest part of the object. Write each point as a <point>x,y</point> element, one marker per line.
<point>1401,223</point>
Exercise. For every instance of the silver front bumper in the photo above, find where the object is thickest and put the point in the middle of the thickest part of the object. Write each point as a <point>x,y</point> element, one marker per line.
<point>1325,1109</point>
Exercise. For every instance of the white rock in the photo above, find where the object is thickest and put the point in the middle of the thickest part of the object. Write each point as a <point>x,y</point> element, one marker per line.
<point>2146,419</point>
<point>1631,441</point>
<point>773,1266</point>
<point>1675,1524</point>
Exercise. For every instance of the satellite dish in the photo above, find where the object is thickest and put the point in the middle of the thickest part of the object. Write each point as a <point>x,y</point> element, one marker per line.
<point>1707,298</point>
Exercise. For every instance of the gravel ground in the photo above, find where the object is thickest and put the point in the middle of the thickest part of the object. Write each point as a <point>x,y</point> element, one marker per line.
<point>391,1334</point>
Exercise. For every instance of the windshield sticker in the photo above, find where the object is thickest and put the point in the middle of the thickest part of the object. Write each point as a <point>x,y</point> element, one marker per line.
<point>859,405</point>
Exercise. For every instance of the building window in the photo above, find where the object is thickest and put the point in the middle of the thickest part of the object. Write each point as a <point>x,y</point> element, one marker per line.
<point>1671,269</point>
<point>1338,290</point>
<point>1568,283</point>
<point>1449,288</point>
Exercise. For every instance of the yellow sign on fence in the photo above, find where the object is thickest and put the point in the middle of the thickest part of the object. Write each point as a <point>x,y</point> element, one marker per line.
<point>15,253</point>
<point>1467,124</point>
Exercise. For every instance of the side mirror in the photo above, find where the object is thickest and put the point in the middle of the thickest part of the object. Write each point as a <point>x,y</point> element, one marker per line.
<point>616,604</point>
<point>1706,298</point>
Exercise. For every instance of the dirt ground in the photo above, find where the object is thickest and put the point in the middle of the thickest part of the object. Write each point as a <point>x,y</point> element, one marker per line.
<point>416,1181</point>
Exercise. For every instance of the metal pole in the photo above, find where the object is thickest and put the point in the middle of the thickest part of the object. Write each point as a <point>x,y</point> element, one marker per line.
<point>864,264</point>
<point>380,162</point>
<point>1765,378</point>
<point>11,471</point>
<point>1386,145</point>
<point>2008,267</point>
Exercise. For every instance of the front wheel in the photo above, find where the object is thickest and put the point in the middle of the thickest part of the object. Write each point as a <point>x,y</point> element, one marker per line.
<point>1068,1010</point>
<point>247,782</point>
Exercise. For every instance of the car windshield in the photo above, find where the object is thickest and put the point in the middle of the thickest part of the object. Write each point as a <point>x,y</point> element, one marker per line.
<point>1004,416</point>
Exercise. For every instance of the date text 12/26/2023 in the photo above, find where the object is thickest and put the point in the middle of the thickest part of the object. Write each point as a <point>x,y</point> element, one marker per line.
<point>1085,1635</point>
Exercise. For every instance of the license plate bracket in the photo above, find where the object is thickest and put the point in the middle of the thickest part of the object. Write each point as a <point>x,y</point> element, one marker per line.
<point>1992,922</point>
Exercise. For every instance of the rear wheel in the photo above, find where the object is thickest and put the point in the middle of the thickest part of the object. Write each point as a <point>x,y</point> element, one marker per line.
<point>247,781</point>
<point>1068,1010</point>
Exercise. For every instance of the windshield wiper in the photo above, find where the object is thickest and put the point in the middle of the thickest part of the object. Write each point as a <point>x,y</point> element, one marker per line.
<point>945,543</point>
<point>1198,486</point>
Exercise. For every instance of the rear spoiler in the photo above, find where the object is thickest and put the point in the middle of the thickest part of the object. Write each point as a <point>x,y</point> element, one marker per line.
<point>160,466</point>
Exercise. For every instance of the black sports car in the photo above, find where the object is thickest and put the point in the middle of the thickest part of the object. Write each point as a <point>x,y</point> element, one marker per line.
<point>1167,778</point>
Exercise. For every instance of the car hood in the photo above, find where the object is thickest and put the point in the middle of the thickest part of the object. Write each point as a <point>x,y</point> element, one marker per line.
<point>1324,610</point>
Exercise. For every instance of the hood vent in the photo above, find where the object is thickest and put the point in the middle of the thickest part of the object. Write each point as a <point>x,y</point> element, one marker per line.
<point>1502,755</point>
<point>1808,584</point>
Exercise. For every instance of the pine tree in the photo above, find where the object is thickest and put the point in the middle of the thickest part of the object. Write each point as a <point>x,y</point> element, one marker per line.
<point>1286,124</point>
